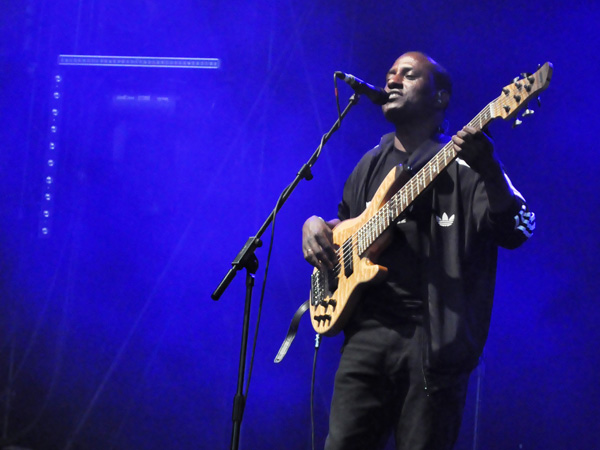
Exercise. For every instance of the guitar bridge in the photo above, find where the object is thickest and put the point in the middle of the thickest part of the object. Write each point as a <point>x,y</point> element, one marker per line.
<point>323,284</point>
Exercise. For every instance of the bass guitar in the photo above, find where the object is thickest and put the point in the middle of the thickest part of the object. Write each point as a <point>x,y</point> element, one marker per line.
<point>334,293</point>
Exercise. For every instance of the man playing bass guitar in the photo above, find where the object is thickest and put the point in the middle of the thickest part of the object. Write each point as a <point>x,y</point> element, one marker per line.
<point>413,338</point>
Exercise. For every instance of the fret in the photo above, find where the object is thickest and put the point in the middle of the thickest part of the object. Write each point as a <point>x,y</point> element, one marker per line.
<point>359,241</point>
<point>364,239</point>
<point>488,112</point>
<point>366,236</point>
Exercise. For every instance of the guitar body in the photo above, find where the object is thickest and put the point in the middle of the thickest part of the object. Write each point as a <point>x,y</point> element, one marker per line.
<point>331,310</point>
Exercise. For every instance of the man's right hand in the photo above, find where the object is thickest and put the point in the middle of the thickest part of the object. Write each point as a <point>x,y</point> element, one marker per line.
<point>317,243</point>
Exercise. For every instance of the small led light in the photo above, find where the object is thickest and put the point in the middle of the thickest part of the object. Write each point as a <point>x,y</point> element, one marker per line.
<point>55,112</point>
<point>53,128</point>
<point>50,162</point>
<point>48,180</point>
<point>57,95</point>
<point>46,213</point>
<point>58,78</point>
<point>52,145</point>
<point>44,230</point>
<point>47,196</point>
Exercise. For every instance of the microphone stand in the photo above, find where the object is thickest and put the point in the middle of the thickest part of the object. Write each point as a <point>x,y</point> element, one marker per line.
<point>246,259</point>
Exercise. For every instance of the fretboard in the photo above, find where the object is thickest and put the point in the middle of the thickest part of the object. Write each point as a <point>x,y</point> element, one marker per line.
<point>401,200</point>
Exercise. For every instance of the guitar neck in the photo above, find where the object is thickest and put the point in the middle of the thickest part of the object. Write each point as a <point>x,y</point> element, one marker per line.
<point>401,200</point>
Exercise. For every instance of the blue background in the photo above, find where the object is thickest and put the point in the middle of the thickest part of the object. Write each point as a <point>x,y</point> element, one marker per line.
<point>109,338</point>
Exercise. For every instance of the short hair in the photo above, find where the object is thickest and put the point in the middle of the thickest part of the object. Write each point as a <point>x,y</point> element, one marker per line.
<point>441,77</point>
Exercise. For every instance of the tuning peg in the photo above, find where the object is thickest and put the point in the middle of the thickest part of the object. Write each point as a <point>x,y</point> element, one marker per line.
<point>505,91</point>
<point>517,123</point>
<point>517,98</point>
<point>529,77</point>
<point>528,112</point>
<point>516,82</point>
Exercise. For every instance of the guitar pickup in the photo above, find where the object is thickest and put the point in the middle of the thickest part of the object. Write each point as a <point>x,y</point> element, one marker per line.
<point>347,257</point>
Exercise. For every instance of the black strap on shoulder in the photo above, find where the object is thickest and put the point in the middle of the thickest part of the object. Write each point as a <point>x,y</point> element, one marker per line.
<point>292,331</point>
<point>424,153</point>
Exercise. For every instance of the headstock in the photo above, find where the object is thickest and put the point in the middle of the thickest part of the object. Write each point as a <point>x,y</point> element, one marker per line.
<point>517,95</point>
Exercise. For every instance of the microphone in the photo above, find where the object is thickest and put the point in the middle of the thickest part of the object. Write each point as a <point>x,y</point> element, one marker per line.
<point>376,94</point>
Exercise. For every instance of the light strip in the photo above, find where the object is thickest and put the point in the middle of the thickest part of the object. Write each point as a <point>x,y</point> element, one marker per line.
<point>139,61</point>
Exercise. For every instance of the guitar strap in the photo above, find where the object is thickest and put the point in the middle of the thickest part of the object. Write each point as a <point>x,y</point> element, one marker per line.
<point>424,153</point>
<point>292,331</point>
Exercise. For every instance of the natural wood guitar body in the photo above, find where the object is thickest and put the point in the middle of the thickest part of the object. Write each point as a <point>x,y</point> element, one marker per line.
<point>334,308</point>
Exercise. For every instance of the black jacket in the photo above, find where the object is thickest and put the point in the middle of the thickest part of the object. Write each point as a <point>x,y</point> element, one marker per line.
<point>459,241</point>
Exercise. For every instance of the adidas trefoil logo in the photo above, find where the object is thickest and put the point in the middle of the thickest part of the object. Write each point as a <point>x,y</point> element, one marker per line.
<point>445,221</point>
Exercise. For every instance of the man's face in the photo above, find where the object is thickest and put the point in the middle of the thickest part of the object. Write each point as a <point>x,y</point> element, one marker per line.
<point>411,88</point>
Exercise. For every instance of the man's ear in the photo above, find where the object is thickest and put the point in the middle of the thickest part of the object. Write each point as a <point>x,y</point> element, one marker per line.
<point>442,98</point>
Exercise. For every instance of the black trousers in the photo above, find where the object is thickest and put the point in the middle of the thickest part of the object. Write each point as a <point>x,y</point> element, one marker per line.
<point>380,388</point>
